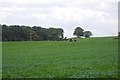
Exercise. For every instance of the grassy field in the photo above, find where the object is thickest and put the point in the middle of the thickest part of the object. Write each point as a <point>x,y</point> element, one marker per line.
<point>86,58</point>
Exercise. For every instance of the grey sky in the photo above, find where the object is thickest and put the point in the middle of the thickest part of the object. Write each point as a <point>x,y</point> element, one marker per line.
<point>98,16</point>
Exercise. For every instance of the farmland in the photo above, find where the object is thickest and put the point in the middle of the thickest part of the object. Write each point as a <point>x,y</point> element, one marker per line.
<point>86,58</point>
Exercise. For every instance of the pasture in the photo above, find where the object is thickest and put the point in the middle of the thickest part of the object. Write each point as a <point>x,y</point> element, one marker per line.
<point>86,58</point>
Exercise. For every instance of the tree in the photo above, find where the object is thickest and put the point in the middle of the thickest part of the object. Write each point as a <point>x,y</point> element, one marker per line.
<point>78,32</point>
<point>53,34</point>
<point>25,36</point>
<point>41,32</point>
<point>31,34</point>
<point>60,33</point>
<point>27,33</point>
<point>4,32</point>
<point>87,34</point>
<point>16,32</point>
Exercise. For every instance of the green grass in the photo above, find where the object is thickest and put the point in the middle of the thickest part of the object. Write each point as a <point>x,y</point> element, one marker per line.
<point>86,58</point>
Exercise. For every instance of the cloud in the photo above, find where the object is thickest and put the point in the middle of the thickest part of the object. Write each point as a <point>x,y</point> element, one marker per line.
<point>99,16</point>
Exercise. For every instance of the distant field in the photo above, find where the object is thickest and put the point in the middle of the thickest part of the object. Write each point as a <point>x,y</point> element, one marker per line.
<point>86,58</point>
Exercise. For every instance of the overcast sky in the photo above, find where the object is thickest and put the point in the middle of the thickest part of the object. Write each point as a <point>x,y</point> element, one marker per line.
<point>98,16</point>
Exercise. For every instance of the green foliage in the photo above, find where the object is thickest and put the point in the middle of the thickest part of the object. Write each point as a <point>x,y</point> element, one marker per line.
<point>87,33</point>
<point>63,59</point>
<point>78,32</point>
<point>27,33</point>
<point>55,33</point>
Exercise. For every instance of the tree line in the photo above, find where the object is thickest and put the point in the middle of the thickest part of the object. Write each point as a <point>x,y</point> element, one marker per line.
<point>27,33</point>
<point>37,33</point>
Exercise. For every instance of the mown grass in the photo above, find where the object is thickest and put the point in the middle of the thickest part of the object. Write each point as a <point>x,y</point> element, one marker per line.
<point>86,58</point>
